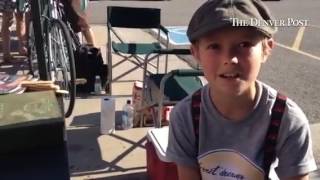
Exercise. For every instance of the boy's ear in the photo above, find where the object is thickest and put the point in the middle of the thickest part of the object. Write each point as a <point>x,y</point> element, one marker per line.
<point>267,48</point>
<point>195,51</point>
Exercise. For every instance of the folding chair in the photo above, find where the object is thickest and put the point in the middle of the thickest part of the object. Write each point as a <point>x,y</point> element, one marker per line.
<point>166,89</point>
<point>138,52</point>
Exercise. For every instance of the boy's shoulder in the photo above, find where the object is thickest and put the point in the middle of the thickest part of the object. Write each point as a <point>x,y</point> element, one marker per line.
<point>185,103</point>
<point>182,110</point>
<point>293,113</point>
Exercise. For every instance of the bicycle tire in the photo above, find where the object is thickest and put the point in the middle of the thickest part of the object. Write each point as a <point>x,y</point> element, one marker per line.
<point>62,62</point>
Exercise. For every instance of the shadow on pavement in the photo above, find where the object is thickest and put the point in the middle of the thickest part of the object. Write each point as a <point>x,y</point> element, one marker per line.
<point>83,148</point>
<point>85,153</point>
<point>93,120</point>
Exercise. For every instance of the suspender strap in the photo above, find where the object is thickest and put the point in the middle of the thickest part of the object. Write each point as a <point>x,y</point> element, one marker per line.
<point>272,133</point>
<point>195,112</point>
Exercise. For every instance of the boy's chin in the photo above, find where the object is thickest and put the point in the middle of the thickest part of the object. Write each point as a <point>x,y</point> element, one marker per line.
<point>234,89</point>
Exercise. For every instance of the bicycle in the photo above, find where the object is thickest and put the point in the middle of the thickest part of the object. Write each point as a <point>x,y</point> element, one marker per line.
<point>51,48</point>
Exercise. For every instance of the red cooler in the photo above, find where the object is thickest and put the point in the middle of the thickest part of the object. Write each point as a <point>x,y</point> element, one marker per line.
<point>158,166</point>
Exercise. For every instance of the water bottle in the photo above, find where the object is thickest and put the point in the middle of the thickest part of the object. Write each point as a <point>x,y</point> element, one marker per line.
<point>97,85</point>
<point>127,116</point>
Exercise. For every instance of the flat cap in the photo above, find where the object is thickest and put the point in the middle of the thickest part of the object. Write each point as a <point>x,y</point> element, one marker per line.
<point>215,14</point>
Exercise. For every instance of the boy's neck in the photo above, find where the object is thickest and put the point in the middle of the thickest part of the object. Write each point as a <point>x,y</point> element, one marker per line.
<point>235,108</point>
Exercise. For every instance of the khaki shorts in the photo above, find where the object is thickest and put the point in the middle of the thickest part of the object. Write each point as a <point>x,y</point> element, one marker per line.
<point>78,21</point>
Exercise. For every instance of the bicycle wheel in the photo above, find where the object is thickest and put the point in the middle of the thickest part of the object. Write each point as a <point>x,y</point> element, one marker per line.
<point>62,68</point>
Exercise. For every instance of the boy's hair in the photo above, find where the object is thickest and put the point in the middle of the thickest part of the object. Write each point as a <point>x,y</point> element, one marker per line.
<point>216,14</point>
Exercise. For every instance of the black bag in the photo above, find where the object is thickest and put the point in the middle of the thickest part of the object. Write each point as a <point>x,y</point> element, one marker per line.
<point>89,63</point>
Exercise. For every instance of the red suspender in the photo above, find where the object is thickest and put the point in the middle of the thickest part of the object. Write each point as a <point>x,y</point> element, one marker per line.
<point>272,133</point>
<point>195,112</point>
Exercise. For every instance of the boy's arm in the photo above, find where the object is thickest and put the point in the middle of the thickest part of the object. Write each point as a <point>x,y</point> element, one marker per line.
<point>188,173</point>
<point>295,153</point>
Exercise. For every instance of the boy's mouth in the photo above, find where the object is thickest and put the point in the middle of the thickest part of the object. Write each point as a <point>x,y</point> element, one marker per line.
<point>230,75</point>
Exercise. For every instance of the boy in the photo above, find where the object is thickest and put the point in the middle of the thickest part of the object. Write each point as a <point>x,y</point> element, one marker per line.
<point>238,125</point>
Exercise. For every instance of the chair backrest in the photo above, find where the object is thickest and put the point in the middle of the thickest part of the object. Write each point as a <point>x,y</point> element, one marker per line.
<point>133,17</point>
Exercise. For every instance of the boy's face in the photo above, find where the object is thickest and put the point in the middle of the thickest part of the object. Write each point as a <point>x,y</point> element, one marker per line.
<point>231,58</point>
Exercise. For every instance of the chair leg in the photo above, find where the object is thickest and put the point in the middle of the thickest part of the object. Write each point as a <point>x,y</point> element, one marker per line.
<point>109,62</point>
<point>120,62</point>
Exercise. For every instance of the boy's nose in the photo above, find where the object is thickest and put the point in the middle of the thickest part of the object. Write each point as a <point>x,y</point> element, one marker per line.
<point>234,60</point>
<point>231,60</point>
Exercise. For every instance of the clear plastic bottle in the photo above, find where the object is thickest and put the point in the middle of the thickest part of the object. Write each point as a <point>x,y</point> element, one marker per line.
<point>127,116</point>
<point>97,85</point>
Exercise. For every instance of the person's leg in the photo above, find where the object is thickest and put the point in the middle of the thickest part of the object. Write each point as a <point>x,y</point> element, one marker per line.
<point>82,22</point>
<point>7,21</point>
<point>21,32</point>
<point>89,36</point>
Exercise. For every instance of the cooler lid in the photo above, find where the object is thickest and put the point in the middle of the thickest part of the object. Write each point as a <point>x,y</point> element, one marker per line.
<point>159,138</point>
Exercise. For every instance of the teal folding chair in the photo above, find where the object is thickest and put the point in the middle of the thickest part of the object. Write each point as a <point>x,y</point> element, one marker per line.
<point>166,89</point>
<point>137,52</point>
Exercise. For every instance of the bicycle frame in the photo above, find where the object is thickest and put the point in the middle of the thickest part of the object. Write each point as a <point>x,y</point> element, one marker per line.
<point>53,47</point>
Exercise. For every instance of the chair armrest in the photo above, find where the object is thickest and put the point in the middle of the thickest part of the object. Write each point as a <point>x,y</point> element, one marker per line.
<point>186,72</point>
<point>181,72</point>
<point>174,51</point>
<point>164,29</point>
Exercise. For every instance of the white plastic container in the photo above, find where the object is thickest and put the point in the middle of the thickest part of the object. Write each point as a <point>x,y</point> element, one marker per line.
<point>107,115</point>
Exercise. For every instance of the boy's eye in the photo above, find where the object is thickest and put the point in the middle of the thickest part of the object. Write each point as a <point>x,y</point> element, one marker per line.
<point>214,46</point>
<point>245,44</point>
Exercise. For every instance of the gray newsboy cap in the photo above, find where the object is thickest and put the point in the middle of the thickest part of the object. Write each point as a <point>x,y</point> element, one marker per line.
<point>215,14</point>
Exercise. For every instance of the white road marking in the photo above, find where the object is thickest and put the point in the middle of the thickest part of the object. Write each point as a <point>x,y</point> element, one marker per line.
<point>299,51</point>
<point>298,40</point>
